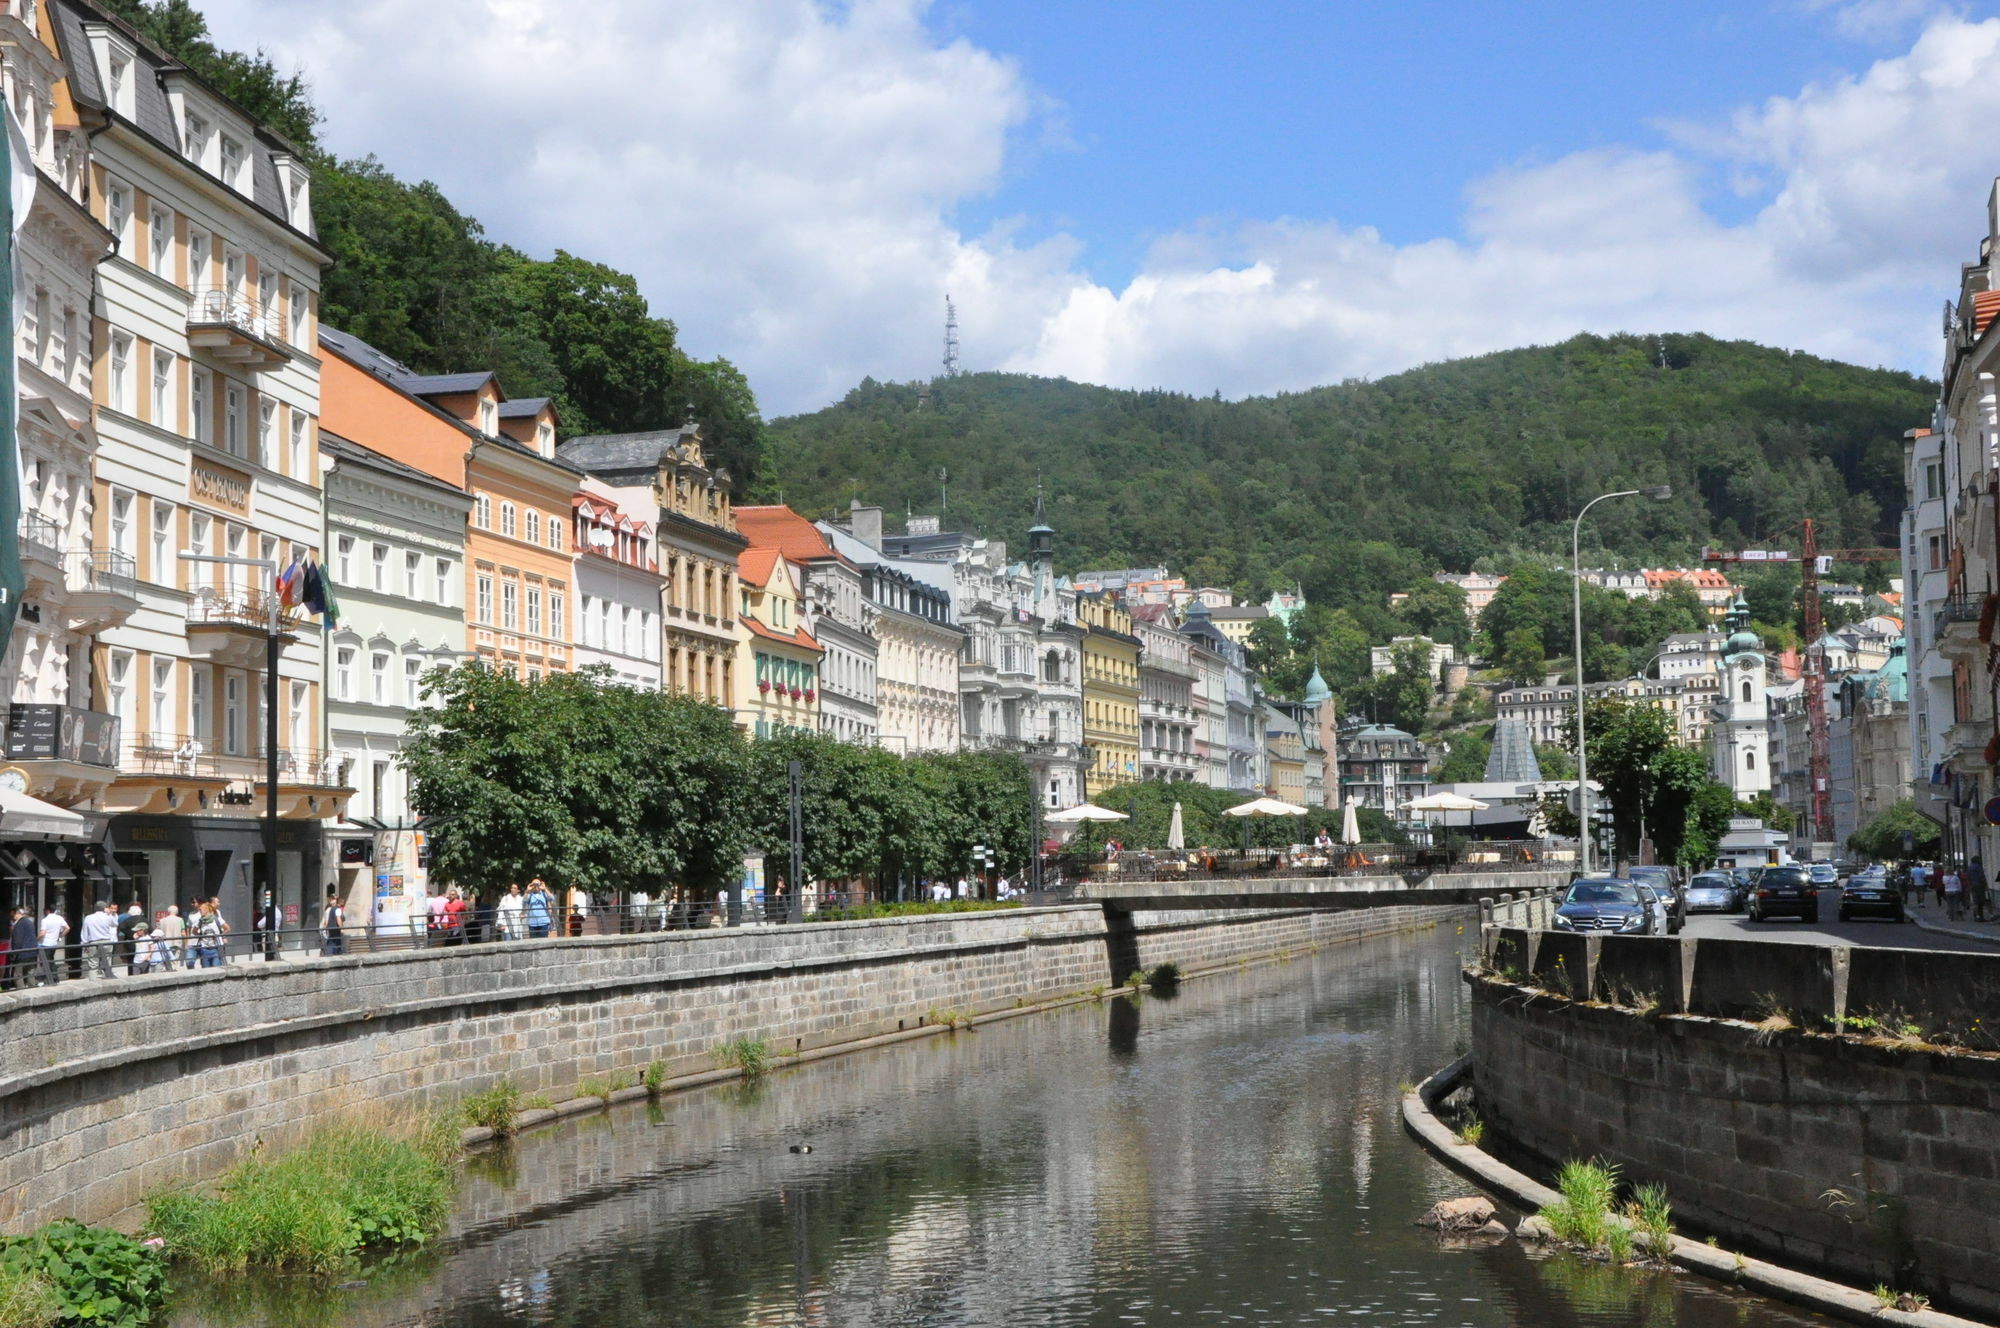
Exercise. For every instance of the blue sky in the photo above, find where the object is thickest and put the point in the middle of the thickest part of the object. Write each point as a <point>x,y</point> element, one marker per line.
<point>1239,197</point>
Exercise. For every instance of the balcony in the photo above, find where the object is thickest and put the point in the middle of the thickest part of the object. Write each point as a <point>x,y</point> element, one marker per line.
<point>68,753</point>
<point>229,627</point>
<point>176,772</point>
<point>103,589</point>
<point>1955,632</point>
<point>41,555</point>
<point>232,327</point>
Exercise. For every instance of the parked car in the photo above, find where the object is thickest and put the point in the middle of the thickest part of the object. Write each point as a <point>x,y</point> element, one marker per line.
<point>1660,909</point>
<point>1785,892</point>
<point>1871,894</point>
<point>1605,904</point>
<point>1665,881</point>
<point>1714,892</point>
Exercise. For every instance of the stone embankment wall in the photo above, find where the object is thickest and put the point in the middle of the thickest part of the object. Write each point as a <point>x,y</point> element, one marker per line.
<point>112,1089</point>
<point>1716,1068</point>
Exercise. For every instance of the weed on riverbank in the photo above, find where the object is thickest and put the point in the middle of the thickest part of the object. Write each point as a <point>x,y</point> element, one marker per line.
<point>493,1107</point>
<point>68,1273</point>
<point>752,1055</point>
<point>349,1188</point>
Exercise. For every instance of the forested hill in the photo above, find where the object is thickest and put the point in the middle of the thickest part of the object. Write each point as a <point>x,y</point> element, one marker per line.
<point>1351,491</point>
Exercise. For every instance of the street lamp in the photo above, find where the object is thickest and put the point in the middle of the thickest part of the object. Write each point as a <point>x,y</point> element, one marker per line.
<point>1658,493</point>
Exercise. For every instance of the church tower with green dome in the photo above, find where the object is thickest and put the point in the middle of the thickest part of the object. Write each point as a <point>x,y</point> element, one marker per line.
<point>1325,717</point>
<point>1740,736</point>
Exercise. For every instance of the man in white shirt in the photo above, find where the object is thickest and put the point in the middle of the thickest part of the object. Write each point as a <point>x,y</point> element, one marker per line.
<point>48,958</point>
<point>100,937</point>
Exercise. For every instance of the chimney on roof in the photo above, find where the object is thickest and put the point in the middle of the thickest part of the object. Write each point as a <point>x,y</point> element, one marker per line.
<point>866,524</point>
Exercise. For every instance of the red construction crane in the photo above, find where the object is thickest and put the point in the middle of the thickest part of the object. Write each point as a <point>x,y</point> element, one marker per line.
<point>1810,558</point>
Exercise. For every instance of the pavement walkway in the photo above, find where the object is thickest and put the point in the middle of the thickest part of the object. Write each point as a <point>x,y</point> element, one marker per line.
<point>1931,918</point>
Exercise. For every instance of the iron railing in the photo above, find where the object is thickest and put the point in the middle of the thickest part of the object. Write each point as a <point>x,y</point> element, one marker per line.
<point>40,534</point>
<point>218,306</point>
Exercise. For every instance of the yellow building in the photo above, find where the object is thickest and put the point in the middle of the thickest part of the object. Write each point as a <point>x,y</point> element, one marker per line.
<point>778,658</point>
<point>1110,692</point>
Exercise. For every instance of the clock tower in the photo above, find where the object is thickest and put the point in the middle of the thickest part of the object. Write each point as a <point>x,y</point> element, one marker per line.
<point>1740,738</point>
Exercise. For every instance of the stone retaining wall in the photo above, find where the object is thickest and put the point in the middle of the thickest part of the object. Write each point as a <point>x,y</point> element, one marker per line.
<point>113,1089</point>
<point>1870,1163</point>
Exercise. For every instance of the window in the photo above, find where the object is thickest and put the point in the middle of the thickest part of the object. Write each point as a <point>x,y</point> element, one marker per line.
<point>232,420</point>
<point>1746,691</point>
<point>558,619</point>
<point>482,512</point>
<point>232,713</point>
<point>197,138</point>
<point>534,527</point>
<point>118,687</point>
<point>234,572</point>
<point>378,566</point>
<point>199,685</point>
<point>199,249</point>
<point>301,716</point>
<point>118,213</point>
<point>483,600</point>
<point>121,372</point>
<point>232,162</point>
<point>267,434</point>
<point>555,534</point>
<point>413,575</point>
<point>36,328</point>
<point>378,787</point>
<point>545,439</point>
<point>1749,759</point>
<point>66,357</point>
<point>160,719</point>
<point>507,523</point>
<point>120,80</point>
<point>163,545</point>
<point>343,560</point>
<point>534,611</point>
<point>343,674</point>
<point>443,581</point>
<point>591,635</point>
<point>267,299</point>
<point>301,305</point>
<point>232,273</point>
<point>201,535</point>
<point>413,680</point>
<point>160,242</point>
<point>1936,547</point>
<point>298,470</point>
<point>378,678</point>
<point>163,389</point>
<point>486,415</point>
<point>124,530</point>
<point>267,550</point>
<point>510,606</point>
<point>201,411</point>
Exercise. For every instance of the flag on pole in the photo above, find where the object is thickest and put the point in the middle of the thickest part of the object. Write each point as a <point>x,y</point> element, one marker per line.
<point>316,594</point>
<point>20,196</point>
<point>289,584</point>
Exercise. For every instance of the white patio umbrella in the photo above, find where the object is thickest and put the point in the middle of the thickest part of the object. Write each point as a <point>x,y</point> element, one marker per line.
<point>1350,824</point>
<point>1176,833</point>
<point>1084,811</point>
<point>1266,807</point>
<point>1444,800</point>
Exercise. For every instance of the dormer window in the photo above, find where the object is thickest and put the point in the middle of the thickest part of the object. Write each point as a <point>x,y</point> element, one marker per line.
<point>119,81</point>
<point>487,415</point>
<point>232,164</point>
<point>199,135</point>
<point>545,439</point>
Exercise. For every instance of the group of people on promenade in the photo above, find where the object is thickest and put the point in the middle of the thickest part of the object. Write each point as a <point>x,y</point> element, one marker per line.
<point>107,940</point>
<point>1958,887</point>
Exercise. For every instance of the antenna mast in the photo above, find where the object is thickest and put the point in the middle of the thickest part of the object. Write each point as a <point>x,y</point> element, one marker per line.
<point>950,338</point>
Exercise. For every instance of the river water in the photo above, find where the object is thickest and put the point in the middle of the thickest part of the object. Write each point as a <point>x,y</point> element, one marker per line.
<point>1232,1155</point>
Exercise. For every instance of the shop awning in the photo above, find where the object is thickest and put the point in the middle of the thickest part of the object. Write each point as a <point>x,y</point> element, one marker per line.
<point>46,856</point>
<point>23,817</point>
<point>16,866</point>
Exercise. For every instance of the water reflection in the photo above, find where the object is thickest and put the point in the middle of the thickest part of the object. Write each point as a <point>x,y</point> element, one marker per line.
<point>1231,1156</point>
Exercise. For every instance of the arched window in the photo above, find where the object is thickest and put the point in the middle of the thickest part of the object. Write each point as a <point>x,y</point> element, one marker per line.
<point>1749,759</point>
<point>1746,691</point>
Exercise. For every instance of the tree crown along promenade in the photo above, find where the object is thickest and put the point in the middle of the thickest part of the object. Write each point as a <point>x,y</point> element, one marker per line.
<point>588,783</point>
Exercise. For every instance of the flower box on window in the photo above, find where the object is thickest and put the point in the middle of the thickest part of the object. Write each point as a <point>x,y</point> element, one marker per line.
<point>763,684</point>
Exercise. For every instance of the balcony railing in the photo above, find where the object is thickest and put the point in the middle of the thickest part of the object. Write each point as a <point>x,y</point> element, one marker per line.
<point>62,733</point>
<point>1957,609</point>
<point>104,569</point>
<point>234,607</point>
<point>40,534</point>
<point>183,755</point>
<point>217,306</point>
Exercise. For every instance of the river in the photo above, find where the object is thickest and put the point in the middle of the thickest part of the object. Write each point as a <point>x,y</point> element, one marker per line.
<point>1232,1155</point>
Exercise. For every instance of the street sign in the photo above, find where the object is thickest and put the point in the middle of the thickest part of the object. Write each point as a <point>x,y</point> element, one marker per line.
<point>1993,811</point>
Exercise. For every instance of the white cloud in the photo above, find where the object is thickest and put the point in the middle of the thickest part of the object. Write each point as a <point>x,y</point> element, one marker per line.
<point>783,176</point>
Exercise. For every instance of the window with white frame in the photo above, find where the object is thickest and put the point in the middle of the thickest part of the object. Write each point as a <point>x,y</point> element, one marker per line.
<point>534,535</point>
<point>163,389</point>
<point>378,678</point>
<point>343,673</point>
<point>118,685</point>
<point>38,325</point>
<point>267,298</point>
<point>510,606</point>
<point>507,523</point>
<point>232,712</point>
<point>232,272</point>
<point>123,522</point>
<point>200,688</point>
<point>165,557</point>
<point>590,634</point>
<point>232,161</point>
<point>118,78</point>
<point>68,358</point>
<point>483,601</point>
<point>232,419</point>
<point>201,406</point>
<point>199,135</point>
<point>297,469</point>
<point>200,250</point>
<point>558,619</point>
<point>442,582</point>
<point>413,576</point>
<point>160,242</point>
<point>555,534</point>
<point>236,573</point>
<point>121,372</point>
<point>343,559</point>
<point>160,717</point>
<point>301,304</point>
<point>487,416</point>
<point>545,439</point>
<point>201,537</point>
<point>482,512</point>
<point>534,611</point>
<point>413,680</point>
<point>299,726</point>
<point>118,213</point>
<point>267,433</point>
<point>378,566</point>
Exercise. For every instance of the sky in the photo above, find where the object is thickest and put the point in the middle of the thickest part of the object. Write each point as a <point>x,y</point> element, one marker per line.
<point>1245,198</point>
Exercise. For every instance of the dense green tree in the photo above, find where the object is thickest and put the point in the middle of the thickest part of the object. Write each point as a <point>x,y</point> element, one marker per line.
<point>1647,779</point>
<point>1521,661</point>
<point>1466,762</point>
<point>1436,609</point>
<point>1766,809</point>
<point>1708,814</point>
<point>1882,838</point>
<point>1402,696</point>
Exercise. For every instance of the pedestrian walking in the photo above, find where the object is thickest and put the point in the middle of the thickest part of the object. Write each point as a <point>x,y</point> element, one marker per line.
<point>513,905</point>
<point>333,925</point>
<point>128,926</point>
<point>1953,890</point>
<point>100,938</point>
<point>266,926</point>
<point>169,936</point>
<point>21,949</point>
<point>539,908</point>
<point>145,951</point>
<point>1975,888</point>
<point>210,929</point>
<point>1920,878</point>
<point>455,910</point>
<point>48,952</point>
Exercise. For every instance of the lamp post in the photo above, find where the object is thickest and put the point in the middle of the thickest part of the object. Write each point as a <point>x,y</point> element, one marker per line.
<point>272,643</point>
<point>1658,493</point>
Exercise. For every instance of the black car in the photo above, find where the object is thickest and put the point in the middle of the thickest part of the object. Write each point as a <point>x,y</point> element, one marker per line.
<point>1784,892</point>
<point>1666,882</point>
<point>1870,895</point>
<point>1604,904</point>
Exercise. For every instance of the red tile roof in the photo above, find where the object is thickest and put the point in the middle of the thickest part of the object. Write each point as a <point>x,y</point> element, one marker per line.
<point>756,564</point>
<point>1985,304</point>
<point>786,531</point>
<point>798,636</point>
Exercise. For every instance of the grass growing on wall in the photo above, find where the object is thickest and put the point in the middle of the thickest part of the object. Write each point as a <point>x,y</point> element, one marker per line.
<point>350,1188</point>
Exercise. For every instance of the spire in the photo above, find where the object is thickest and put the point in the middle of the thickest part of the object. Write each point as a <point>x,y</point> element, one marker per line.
<point>1316,688</point>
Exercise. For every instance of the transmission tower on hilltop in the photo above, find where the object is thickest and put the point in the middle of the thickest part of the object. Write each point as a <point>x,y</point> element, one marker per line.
<point>950,338</point>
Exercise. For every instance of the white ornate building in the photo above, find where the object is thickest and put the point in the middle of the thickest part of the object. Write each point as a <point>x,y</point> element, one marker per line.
<point>1739,736</point>
<point>917,644</point>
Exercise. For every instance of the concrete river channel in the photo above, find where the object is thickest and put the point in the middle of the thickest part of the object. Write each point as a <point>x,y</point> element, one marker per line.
<point>1230,1155</point>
